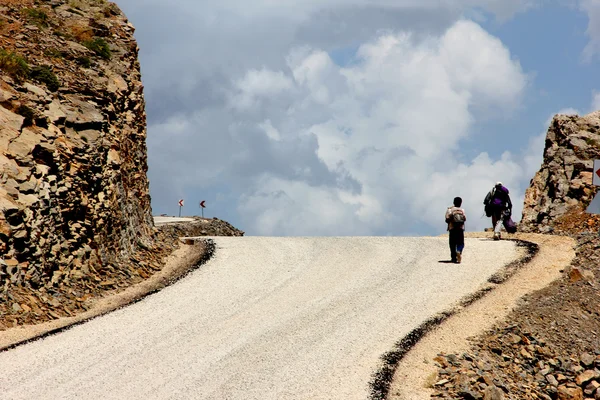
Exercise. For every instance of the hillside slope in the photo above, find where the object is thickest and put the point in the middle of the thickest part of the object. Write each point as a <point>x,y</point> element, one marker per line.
<point>75,215</point>
<point>549,347</point>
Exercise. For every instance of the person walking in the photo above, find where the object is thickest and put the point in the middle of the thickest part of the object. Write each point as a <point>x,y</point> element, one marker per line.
<point>456,218</point>
<point>498,206</point>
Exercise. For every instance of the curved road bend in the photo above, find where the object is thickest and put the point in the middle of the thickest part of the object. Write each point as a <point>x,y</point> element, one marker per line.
<point>266,318</point>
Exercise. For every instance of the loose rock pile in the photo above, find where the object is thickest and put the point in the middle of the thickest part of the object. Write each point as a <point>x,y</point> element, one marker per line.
<point>513,364</point>
<point>202,227</point>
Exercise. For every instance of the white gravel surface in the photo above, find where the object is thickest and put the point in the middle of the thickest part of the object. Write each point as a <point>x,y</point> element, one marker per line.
<point>266,318</point>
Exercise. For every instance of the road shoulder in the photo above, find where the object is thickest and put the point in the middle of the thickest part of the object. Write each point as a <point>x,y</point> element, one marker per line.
<point>178,264</point>
<point>416,369</point>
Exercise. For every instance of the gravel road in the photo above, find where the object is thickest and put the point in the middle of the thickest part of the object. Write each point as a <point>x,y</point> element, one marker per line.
<point>266,318</point>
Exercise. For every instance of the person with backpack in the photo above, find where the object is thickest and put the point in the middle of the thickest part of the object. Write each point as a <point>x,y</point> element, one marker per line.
<point>498,206</point>
<point>456,218</point>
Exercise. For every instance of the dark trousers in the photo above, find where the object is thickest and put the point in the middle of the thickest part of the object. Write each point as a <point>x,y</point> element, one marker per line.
<point>456,239</point>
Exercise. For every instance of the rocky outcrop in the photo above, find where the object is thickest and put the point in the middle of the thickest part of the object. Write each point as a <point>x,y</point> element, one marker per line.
<point>72,140</point>
<point>74,199</point>
<point>201,227</point>
<point>563,186</point>
<point>75,216</point>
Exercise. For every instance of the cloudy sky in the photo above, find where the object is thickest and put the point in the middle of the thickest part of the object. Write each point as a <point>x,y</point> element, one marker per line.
<point>356,117</point>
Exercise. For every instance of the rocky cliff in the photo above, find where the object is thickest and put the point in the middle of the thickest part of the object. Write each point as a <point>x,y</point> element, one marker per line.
<point>74,200</point>
<point>559,193</point>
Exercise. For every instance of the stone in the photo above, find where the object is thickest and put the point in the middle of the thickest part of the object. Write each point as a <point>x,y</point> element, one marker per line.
<point>552,380</point>
<point>468,394</point>
<point>83,115</point>
<point>55,112</point>
<point>587,360</point>
<point>577,274</point>
<point>493,393</point>
<point>587,376</point>
<point>6,94</point>
<point>35,89</point>
<point>23,144</point>
<point>9,122</point>
<point>568,393</point>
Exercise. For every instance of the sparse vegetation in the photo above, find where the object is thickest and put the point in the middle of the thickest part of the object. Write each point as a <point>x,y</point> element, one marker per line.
<point>45,75</point>
<point>85,62</point>
<point>110,10</point>
<point>36,16</point>
<point>54,53</point>
<point>14,65</point>
<point>74,11</point>
<point>27,113</point>
<point>75,4</point>
<point>98,46</point>
<point>430,380</point>
<point>82,33</point>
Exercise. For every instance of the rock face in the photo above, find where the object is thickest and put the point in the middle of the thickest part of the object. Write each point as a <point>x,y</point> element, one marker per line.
<point>74,193</point>
<point>563,185</point>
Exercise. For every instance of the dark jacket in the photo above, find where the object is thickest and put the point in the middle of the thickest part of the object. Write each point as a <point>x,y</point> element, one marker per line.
<point>498,198</point>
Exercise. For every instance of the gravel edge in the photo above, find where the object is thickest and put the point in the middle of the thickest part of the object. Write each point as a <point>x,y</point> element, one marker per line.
<point>204,250</point>
<point>381,379</point>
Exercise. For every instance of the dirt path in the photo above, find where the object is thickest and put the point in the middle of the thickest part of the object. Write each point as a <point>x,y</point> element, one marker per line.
<point>417,370</point>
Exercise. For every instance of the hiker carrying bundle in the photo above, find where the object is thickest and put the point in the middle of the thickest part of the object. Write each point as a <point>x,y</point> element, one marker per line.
<point>497,205</point>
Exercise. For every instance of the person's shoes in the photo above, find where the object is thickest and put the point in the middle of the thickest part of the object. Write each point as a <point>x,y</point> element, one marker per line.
<point>453,260</point>
<point>458,258</point>
<point>496,236</point>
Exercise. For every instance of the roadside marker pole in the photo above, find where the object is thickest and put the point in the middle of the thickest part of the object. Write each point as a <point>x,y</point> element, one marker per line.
<point>202,206</point>
<point>180,207</point>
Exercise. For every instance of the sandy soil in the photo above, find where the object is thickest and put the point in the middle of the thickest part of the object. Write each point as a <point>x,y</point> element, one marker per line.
<point>417,370</point>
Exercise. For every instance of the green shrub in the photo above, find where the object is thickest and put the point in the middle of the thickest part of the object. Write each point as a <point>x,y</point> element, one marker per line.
<point>26,113</point>
<point>85,62</point>
<point>14,65</point>
<point>36,17</point>
<point>98,46</point>
<point>45,75</point>
<point>54,53</point>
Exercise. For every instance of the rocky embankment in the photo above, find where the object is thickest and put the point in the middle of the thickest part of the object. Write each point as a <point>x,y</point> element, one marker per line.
<point>563,184</point>
<point>549,348</point>
<point>75,216</point>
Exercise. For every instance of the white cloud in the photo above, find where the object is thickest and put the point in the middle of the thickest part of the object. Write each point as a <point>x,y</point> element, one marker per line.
<point>592,8</point>
<point>595,101</point>
<point>270,130</point>
<point>299,145</point>
<point>257,85</point>
<point>393,122</point>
